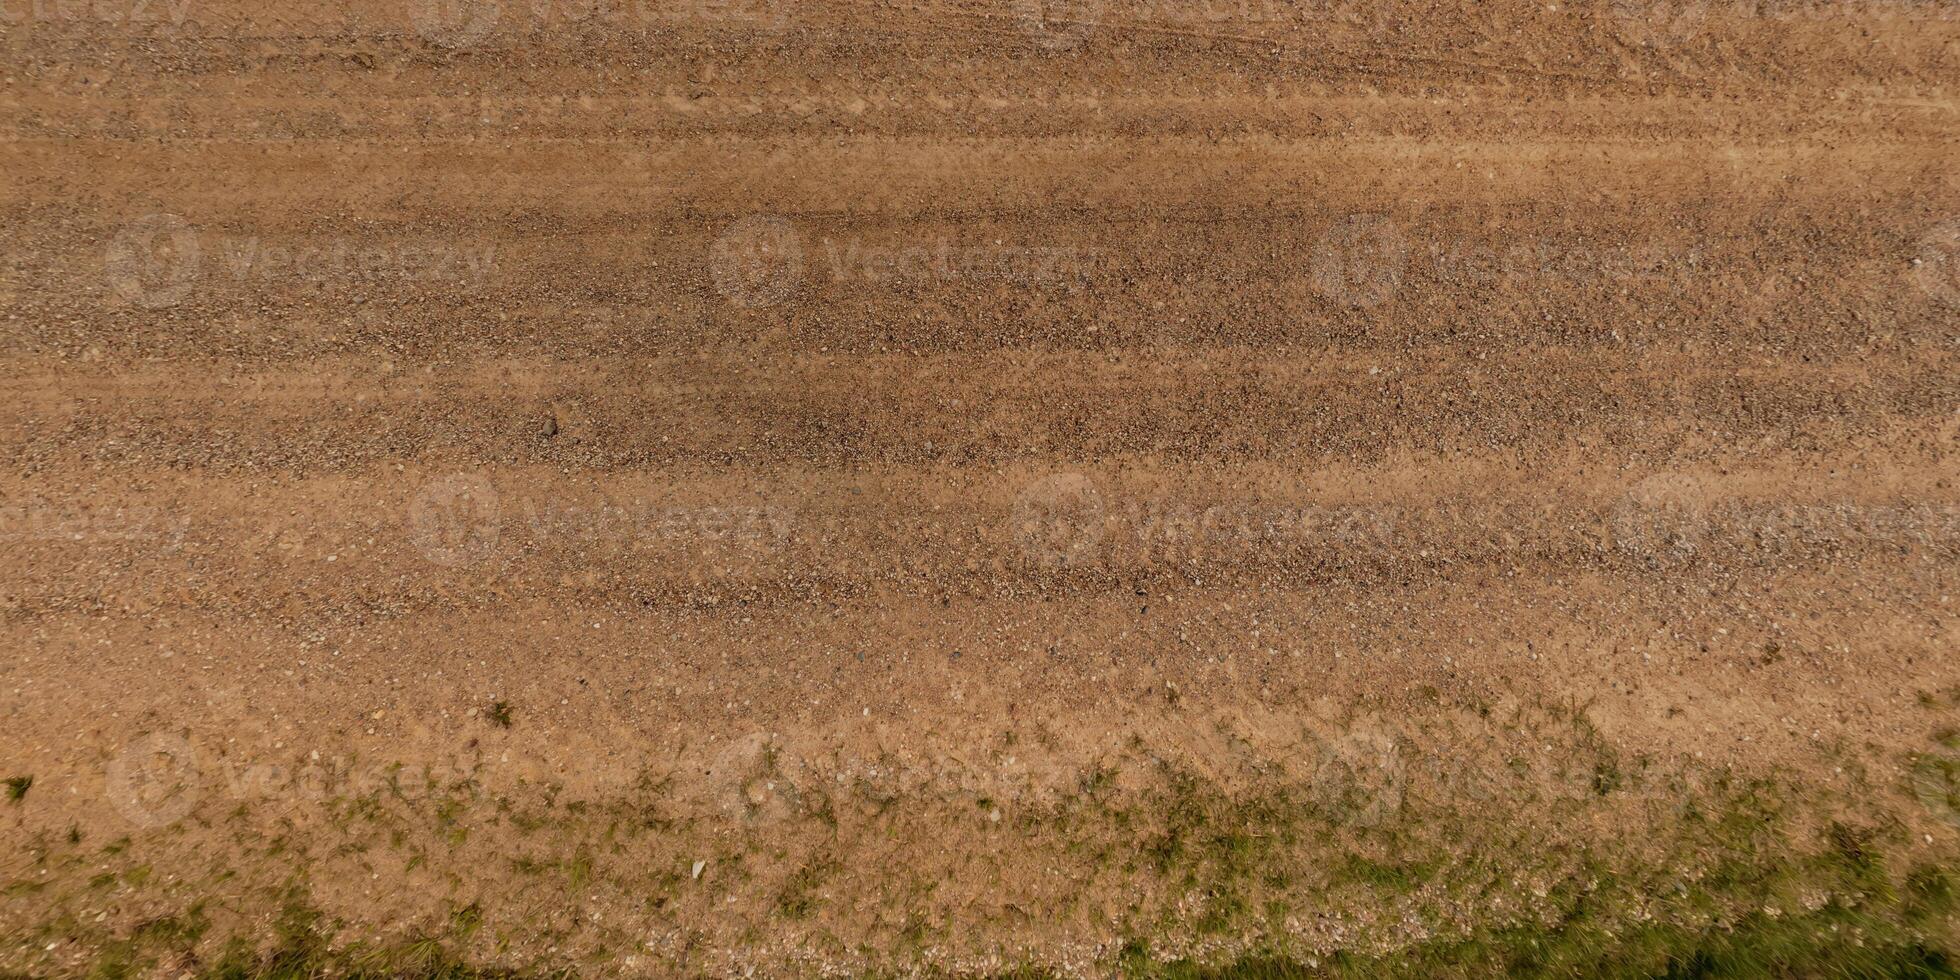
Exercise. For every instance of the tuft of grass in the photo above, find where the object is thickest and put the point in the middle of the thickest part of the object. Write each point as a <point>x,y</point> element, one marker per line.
<point>1606,777</point>
<point>17,787</point>
<point>1739,878</point>
<point>1382,876</point>
<point>498,713</point>
<point>1836,941</point>
<point>798,899</point>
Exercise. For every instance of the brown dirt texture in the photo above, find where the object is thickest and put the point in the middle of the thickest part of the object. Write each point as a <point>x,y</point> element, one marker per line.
<point>721,487</point>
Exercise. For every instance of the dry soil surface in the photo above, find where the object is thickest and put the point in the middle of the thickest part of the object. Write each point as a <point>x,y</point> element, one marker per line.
<point>728,479</point>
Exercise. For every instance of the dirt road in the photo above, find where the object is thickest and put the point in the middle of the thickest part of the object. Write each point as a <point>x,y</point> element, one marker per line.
<point>683,487</point>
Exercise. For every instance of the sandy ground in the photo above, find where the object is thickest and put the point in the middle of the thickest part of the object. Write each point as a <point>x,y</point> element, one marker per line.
<point>719,402</point>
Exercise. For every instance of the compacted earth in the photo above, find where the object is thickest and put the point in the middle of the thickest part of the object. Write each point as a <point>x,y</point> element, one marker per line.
<point>979,488</point>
